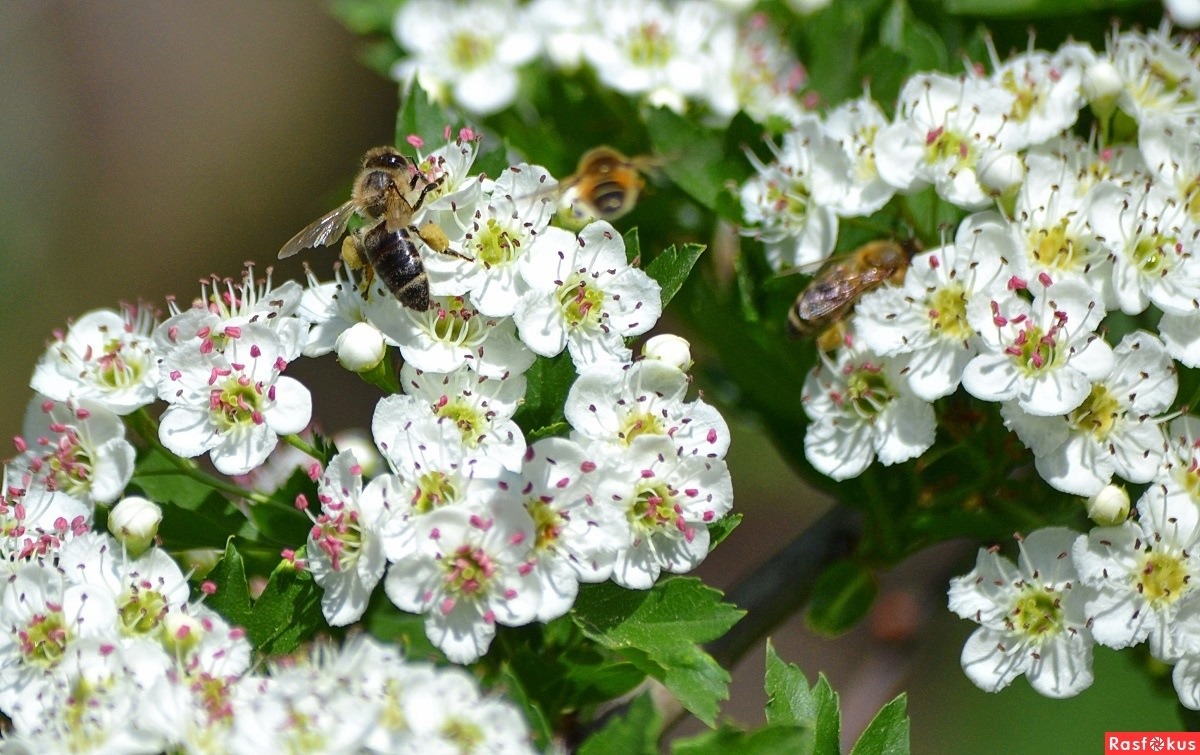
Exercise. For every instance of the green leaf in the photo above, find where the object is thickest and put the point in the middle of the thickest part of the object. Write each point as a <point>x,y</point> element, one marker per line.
<point>634,733</point>
<point>514,687</point>
<point>420,116</point>
<point>194,515</point>
<point>283,522</point>
<point>693,156</point>
<point>386,622</point>
<point>365,16</point>
<point>287,613</point>
<point>549,380</point>
<point>769,740</point>
<point>633,247</point>
<point>1035,8</point>
<point>887,734</point>
<point>671,268</point>
<point>232,598</point>
<point>791,702</point>
<point>660,631</point>
<point>721,529</point>
<point>841,597</point>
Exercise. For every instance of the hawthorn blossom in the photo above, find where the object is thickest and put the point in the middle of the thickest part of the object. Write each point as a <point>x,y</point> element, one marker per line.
<point>106,357</point>
<point>1115,430</point>
<point>861,408</point>
<point>345,550</point>
<point>231,404</point>
<point>35,522</point>
<point>923,324</point>
<point>584,296</point>
<point>1032,617</point>
<point>467,572</point>
<point>1157,72</point>
<point>1046,87</point>
<point>1043,354</point>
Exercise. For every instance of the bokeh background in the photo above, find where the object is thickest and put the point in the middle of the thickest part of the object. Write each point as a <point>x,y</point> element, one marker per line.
<point>145,146</point>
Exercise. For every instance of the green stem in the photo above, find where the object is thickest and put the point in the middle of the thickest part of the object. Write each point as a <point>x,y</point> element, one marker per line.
<point>147,428</point>
<point>295,441</point>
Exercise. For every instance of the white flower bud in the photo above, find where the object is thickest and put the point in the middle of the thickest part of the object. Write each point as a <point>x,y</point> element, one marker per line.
<point>365,452</point>
<point>360,347</point>
<point>1185,13</point>
<point>998,172</point>
<point>1101,84</point>
<point>671,349</point>
<point>1110,506</point>
<point>134,522</point>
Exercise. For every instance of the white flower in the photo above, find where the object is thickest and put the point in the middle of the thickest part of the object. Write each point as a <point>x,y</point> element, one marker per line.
<point>480,407</point>
<point>221,313</point>
<point>467,572</point>
<point>943,126</point>
<point>42,616</point>
<point>1186,678</point>
<point>854,124</point>
<point>861,408</point>
<point>668,500</point>
<point>1158,72</point>
<point>453,333</point>
<point>1115,430</point>
<point>790,202</point>
<point>1178,478</point>
<point>652,48</point>
<point>333,308</point>
<point>577,533</point>
<point>1044,355</point>
<point>1046,89</point>
<point>36,522</point>
<point>1032,619</point>
<point>345,549</point>
<point>752,68</point>
<point>105,356</point>
<point>923,324</point>
<point>617,404</point>
<point>1152,242</point>
<point>504,225</point>
<point>467,51</point>
<point>77,447</point>
<point>584,296</point>
<point>1145,574</point>
<point>232,404</point>
<point>447,714</point>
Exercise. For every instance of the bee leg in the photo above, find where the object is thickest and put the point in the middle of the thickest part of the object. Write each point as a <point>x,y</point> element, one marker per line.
<point>428,187</point>
<point>356,259</point>
<point>433,235</point>
<point>832,337</point>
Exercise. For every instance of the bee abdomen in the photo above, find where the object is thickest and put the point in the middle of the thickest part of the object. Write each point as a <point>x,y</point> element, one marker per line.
<point>397,262</point>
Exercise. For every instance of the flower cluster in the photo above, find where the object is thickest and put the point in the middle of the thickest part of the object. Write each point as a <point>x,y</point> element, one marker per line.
<point>673,54</point>
<point>1015,309</point>
<point>473,525</point>
<point>103,647</point>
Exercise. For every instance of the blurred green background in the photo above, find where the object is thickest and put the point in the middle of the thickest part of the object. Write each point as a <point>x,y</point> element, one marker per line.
<point>146,146</point>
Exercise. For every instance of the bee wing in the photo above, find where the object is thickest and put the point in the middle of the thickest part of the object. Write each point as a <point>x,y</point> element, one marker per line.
<point>321,232</point>
<point>834,290</point>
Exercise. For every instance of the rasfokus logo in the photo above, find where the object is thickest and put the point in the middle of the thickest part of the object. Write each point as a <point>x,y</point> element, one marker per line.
<point>1151,741</point>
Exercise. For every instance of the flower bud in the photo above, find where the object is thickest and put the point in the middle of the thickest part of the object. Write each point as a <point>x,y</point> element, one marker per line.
<point>1110,506</point>
<point>134,522</point>
<point>671,349</point>
<point>1101,85</point>
<point>1000,172</point>
<point>360,347</point>
<point>1185,13</point>
<point>365,452</point>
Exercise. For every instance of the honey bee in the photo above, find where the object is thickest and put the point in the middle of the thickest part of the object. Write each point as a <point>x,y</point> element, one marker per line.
<point>605,185</point>
<point>831,295</point>
<point>388,191</point>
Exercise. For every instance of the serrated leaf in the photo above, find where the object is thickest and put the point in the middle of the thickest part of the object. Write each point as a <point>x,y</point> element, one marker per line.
<point>420,116</point>
<point>286,613</point>
<point>660,631</point>
<point>789,700</point>
<point>635,732</point>
<point>232,598</point>
<point>633,247</point>
<point>721,529</point>
<point>672,267</point>
<point>549,380</point>
<point>768,740</point>
<point>841,597</point>
<point>829,719</point>
<point>887,734</point>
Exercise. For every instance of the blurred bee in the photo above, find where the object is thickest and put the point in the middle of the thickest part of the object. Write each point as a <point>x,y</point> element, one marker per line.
<point>388,191</point>
<point>605,186</point>
<point>831,295</point>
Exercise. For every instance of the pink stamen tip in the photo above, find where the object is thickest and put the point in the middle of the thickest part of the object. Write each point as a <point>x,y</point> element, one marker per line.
<point>208,587</point>
<point>1017,284</point>
<point>415,141</point>
<point>1044,279</point>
